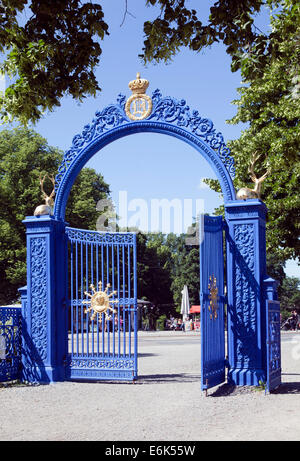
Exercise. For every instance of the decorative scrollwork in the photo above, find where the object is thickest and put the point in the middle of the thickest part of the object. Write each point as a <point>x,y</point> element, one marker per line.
<point>79,235</point>
<point>38,281</point>
<point>165,109</point>
<point>111,116</point>
<point>11,345</point>
<point>109,363</point>
<point>245,292</point>
<point>171,110</point>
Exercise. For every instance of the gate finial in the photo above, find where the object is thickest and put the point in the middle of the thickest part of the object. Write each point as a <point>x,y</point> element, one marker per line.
<point>47,208</point>
<point>138,86</point>
<point>245,193</point>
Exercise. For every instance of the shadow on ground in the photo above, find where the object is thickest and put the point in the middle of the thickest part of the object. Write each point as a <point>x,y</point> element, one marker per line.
<point>230,389</point>
<point>168,378</point>
<point>288,388</point>
<point>146,354</point>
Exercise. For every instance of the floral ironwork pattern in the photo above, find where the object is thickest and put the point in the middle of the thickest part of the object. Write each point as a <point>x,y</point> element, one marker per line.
<point>120,238</point>
<point>273,345</point>
<point>171,110</point>
<point>90,363</point>
<point>38,255</point>
<point>245,292</point>
<point>10,332</point>
<point>165,109</point>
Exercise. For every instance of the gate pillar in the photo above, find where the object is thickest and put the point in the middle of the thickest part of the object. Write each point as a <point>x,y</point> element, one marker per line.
<point>246,272</point>
<point>44,314</point>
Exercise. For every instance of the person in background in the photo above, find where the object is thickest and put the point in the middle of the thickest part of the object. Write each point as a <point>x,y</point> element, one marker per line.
<point>295,320</point>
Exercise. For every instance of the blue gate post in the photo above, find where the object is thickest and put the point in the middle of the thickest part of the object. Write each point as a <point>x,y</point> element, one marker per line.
<point>44,314</point>
<point>246,272</point>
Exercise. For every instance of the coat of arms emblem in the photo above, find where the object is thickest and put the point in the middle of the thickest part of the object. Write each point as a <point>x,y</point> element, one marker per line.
<point>138,105</point>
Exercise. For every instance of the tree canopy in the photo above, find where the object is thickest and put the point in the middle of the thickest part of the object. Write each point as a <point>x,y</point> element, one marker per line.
<point>177,26</point>
<point>290,298</point>
<point>51,48</point>
<point>164,265</point>
<point>269,104</point>
<point>51,54</point>
<point>24,155</point>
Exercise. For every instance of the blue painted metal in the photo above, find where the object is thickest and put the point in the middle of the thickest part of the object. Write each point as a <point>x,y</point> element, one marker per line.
<point>169,116</point>
<point>44,332</point>
<point>273,345</point>
<point>212,322</point>
<point>45,312</point>
<point>10,333</point>
<point>246,270</point>
<point>100,349</point>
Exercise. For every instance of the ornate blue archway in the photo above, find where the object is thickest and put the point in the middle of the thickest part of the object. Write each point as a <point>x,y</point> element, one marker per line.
<point>249,289</point>
<point>169,116</point>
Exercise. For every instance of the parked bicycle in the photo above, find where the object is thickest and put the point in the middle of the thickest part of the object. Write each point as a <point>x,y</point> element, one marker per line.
<point>291,323</point>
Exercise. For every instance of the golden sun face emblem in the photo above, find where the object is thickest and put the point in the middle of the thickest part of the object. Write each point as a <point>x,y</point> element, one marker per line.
<point>100,301</point>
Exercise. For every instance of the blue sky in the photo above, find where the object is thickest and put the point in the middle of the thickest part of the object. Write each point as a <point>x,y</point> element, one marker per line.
<point>152,166</point>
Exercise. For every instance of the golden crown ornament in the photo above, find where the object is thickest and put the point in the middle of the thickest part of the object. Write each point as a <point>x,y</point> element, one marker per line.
<point>139,105</point>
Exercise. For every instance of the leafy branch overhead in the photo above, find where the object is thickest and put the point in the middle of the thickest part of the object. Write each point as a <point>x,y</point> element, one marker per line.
<point>269,104</point>
<point>24,157</point>
<point>52,48</point>
<point>231,22</point>
<point>177,26</point>
<point>53,53</point>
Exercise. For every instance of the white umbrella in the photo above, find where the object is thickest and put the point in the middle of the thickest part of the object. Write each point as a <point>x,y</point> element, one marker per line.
<point>185,304</point>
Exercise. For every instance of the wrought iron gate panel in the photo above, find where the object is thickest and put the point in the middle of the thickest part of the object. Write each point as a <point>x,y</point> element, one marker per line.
<point>10,343</point>
<point>212,301</point>
<point>273,345</point>
<point>100,348</point>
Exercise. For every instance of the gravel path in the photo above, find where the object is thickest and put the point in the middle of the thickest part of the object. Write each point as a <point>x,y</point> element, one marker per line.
<point>165,404</point>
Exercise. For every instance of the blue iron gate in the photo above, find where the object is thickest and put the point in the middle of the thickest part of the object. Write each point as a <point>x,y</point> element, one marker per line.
<point>273,345</point>
<point>212,301</point>
<point>10,343</point>
<point>102,305</point>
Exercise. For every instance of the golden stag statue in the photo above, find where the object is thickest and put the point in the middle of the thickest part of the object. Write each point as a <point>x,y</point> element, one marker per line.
<point>245,193</point>
<point>47,208</point>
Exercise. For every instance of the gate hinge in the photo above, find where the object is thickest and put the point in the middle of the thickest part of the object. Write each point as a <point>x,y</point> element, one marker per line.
<point>224,298</point>
<point>201,298</point>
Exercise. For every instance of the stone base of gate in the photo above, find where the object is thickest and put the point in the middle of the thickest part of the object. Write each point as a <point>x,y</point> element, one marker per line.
<point>246,377</point>
<point>42,375</point>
